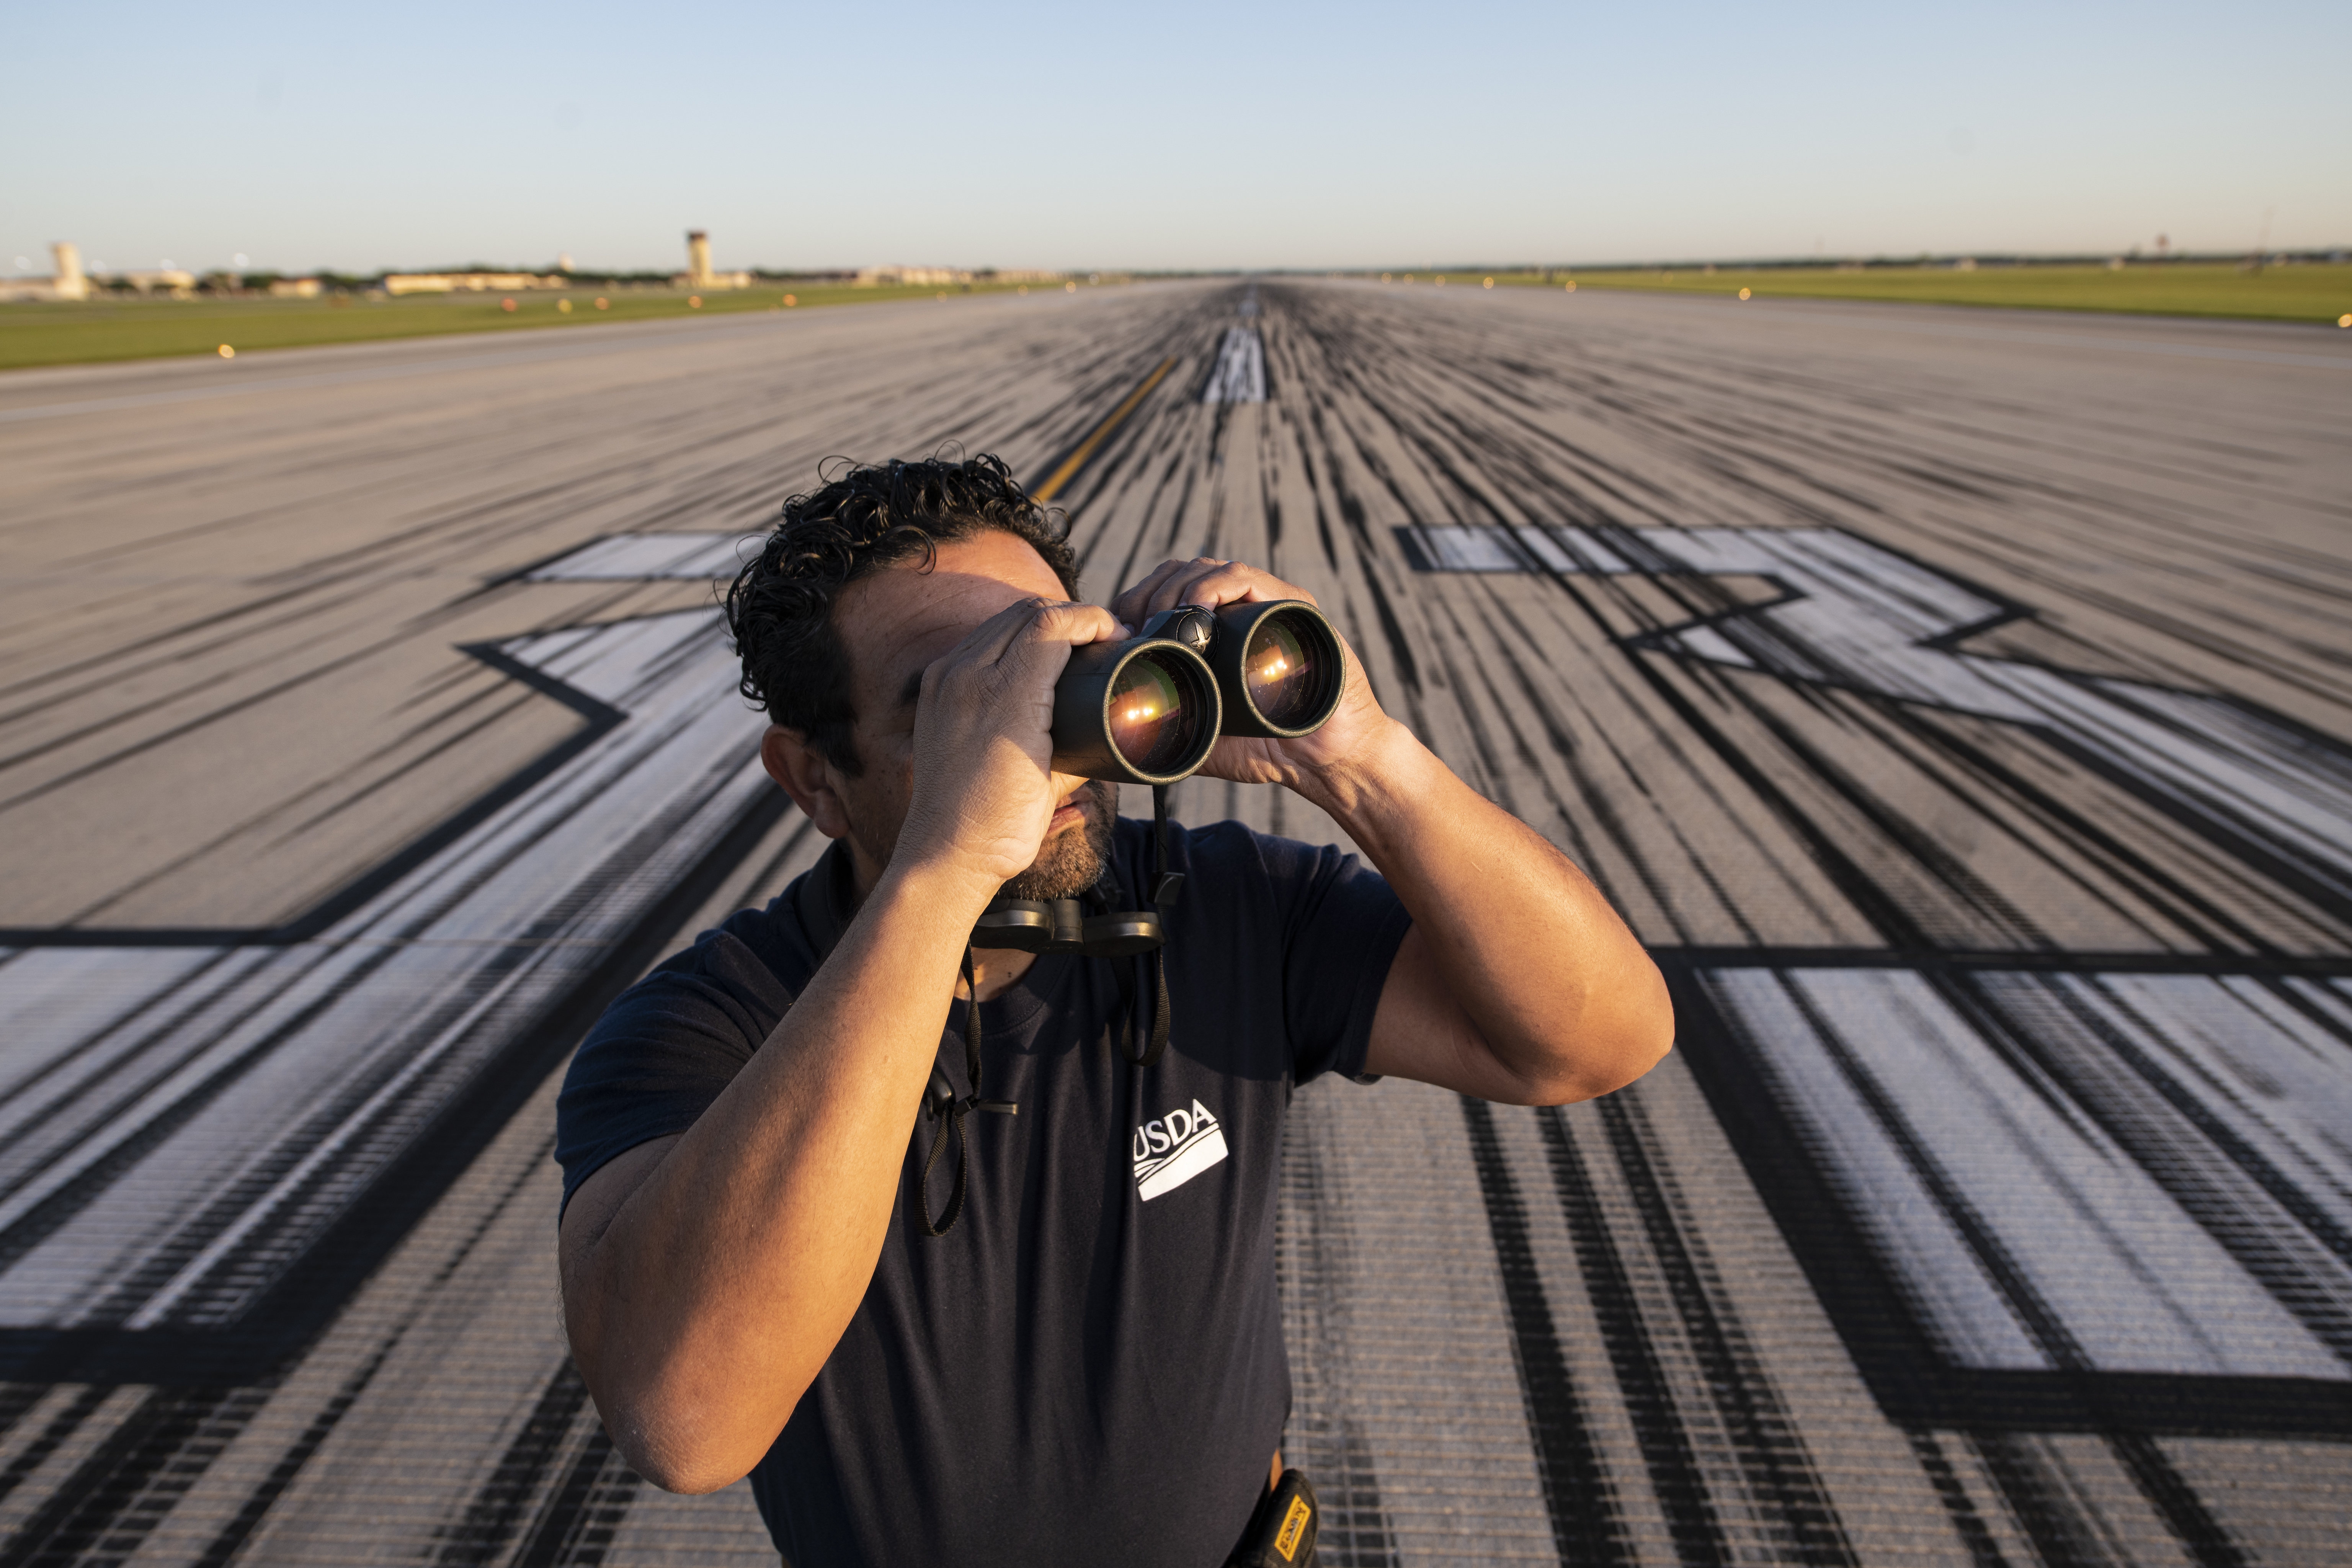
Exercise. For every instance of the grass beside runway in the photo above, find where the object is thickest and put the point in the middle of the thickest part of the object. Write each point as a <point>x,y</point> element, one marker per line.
<point>130,328</point>
<point>2301,291</point>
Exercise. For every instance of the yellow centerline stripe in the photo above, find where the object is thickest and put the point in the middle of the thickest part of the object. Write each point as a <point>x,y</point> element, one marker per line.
<point>1077,460</point>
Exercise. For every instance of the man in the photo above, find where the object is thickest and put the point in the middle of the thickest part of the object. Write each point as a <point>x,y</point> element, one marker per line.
<point>1087,1365</point>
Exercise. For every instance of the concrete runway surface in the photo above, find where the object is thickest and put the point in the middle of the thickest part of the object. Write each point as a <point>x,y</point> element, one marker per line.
<point>1960,702</point>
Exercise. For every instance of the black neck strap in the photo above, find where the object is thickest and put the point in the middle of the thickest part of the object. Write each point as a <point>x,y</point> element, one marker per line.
<point>1092,927</point>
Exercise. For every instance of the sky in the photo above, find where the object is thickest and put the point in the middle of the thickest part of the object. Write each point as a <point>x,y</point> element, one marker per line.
<point>1206,135</point>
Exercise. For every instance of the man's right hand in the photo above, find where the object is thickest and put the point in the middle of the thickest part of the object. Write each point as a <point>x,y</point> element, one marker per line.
<point>984,789</point>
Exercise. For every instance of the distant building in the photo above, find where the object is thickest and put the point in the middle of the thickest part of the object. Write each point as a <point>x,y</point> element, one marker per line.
<point>913,277</point>
<point>468,282</point>
<point>697,273</point>
<point>296,287</point>
<point>172,280</point>
<point>66,283</point>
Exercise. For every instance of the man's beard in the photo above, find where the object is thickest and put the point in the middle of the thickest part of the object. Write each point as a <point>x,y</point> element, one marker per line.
<point>1070,863</point>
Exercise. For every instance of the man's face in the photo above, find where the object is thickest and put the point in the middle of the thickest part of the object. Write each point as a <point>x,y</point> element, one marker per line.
<point>893,624</point>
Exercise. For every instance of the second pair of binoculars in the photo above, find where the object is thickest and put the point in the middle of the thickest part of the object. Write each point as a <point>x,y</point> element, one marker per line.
<point>1149,710</point>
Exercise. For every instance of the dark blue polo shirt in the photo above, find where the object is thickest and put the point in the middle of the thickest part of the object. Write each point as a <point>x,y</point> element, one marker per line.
<point>1089,1367</point>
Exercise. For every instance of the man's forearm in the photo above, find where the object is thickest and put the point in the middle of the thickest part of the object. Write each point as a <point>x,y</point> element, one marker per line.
<point>1560,992</point>
<point>722,1284</point>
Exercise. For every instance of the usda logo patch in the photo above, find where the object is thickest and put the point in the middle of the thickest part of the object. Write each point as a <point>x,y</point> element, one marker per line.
<point>1173,1149</point>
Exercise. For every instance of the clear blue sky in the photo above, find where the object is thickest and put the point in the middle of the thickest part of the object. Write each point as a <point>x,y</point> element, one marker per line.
<point>1207,134</point>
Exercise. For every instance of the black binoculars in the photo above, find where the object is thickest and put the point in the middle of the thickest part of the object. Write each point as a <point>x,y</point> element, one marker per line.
<point>1149,710</point>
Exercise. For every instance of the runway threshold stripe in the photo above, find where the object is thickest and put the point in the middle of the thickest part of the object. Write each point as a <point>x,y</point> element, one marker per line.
<point>1085,449</point>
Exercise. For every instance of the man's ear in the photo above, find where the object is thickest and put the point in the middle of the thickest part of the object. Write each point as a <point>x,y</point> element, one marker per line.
<point>803,773</point>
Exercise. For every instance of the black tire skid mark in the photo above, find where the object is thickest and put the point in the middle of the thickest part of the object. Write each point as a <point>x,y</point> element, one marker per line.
<point>1595,799</point>
<point>54,1431</point>
<point>576,1527</point>
<point>1885,820</point>
<point>1354,1531</point>
<point>1954,762</point>
<point>2063,1526</point>
<point>2164,891</point>
<point>1858,429</point>
<point>511,1496</point>
<point>1911,843</point>
<point>1869,900</point>
<point>1589,794</point>
<point>1587,1525</point>
<point>2174,897</point>
<point>1815,763</point>
<point>1658,1429</point>
<point>2184,1512</point>
<point>1372,462</point>
<point>1951,765</point>
<point>1694,595</point>
<point>116,1496</point>
<point>1770,1450</point>
<point>1960,1509</point>
<point>2105,520</point>
<point>225,1545</point>
<point>1400,646</point>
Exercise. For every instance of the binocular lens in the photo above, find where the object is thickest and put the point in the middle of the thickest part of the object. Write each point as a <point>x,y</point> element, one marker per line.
<point>1149,710</point>
<point>1154,719</point>
<point>1282,673</point>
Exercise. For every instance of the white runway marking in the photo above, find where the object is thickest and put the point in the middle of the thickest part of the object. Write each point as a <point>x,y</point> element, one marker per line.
<point>1239,375</point>
<point>2050,1189</point>
<point>1868,619</point>
<point>178,1125</point>
<point>2030,1234</point>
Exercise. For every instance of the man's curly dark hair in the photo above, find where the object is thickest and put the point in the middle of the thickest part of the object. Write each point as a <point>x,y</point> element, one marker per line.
<point>780,607</point>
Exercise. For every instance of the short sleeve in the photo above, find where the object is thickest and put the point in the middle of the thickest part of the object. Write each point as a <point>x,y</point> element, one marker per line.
<point>1341,926</point>
<point>662,1052</point>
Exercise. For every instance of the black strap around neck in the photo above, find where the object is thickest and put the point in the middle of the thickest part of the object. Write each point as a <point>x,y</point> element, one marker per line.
<point>940,1102</point>
<point>826,900</point>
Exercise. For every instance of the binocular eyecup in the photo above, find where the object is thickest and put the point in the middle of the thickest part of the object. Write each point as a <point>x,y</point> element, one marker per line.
<point>1148,710</point>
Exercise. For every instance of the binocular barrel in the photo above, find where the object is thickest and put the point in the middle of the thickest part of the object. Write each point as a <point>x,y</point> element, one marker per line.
<point>1279,668</point>
<point>1143,711</point>
<point>1149,710</point>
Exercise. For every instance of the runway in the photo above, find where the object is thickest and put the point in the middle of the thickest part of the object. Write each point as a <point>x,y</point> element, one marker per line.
<point>1958,702</point>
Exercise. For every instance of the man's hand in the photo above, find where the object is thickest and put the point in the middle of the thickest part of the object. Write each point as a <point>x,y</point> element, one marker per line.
<point>1350,735</point>
<point>984,788</point>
